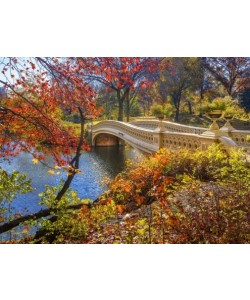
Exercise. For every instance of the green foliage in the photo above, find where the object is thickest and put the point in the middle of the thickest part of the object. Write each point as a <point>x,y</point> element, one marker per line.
<point>72,117</point>
<point>63,222</point>
<point>217,104</point>
<point>230,108</point>
<point>159,110</point>
<point>11,185</point>
<point>213,164</point>
<point>135,109</point>
<point>68,226</point>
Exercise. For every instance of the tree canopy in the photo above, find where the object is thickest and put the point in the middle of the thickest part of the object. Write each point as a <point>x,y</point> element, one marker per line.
<point>37,90</point>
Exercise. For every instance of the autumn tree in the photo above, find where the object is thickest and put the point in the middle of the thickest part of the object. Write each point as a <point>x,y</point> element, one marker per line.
<point>106,100</point>
<point>145,101</point>
<point>36,89</point>
<point>120,74</point>
<point>203,81</point>
<point>229,71</point>
<point>176,77</point>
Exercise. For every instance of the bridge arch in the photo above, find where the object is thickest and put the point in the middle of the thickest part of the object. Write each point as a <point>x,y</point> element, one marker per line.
<point>105,139</point>
<point>119,138</point>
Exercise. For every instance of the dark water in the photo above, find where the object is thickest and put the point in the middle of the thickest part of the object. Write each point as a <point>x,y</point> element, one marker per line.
<point>95,165</point>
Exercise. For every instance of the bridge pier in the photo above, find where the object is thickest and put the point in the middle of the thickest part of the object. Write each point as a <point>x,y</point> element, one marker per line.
<point>158,138</point>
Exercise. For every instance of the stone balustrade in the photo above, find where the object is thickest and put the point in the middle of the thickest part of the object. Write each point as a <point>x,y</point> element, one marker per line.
<point>149,136</point>
<point>150,140</point>
<point>171,126</point>
<point>241,137</point>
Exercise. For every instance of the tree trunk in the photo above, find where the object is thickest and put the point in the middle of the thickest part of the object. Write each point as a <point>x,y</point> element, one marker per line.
<point>128,105</point>
<point>177,101</point>
<point>74,162</point>
<point>190,107</point>
<point>177,113</point>
<point>120,107</point>
<point>128,111</point>
<point>107,110</point>
<point>201,98</point>
<point>230,88</point>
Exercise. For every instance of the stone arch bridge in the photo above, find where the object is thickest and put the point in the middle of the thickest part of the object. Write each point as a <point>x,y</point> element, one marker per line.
<point>150,135</point>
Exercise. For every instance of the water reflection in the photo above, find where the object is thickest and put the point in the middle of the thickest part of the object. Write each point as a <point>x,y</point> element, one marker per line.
<point>97,164</point>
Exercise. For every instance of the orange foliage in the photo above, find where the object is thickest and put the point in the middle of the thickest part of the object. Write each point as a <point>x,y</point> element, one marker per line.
<point>33,104</point>
<point>145,183</point>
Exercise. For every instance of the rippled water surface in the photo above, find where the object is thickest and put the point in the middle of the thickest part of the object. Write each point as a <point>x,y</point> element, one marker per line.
<point>97,164</point>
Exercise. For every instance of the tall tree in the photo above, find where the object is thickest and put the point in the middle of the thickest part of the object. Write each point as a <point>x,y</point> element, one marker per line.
<point>145,100</point>
<point>176,77</point>
<point>228,71</point>
<point>121,74</point>
<point>244,93</point>
<point>36,90</point>
<point>106,100</point>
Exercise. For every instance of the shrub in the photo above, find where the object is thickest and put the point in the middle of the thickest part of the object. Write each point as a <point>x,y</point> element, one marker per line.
<point>186,197</point>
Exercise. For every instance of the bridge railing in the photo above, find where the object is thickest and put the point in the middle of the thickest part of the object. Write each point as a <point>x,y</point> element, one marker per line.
<point>151,140</point>
<point>186,140</point>
<point>241,137</point>
<point>121,129</point>
<point>169,126</point>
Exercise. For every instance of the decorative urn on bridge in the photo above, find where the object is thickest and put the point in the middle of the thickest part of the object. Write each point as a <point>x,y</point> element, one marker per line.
<point>228,116</point>
<point>214,115</point>
<point>214,129</point>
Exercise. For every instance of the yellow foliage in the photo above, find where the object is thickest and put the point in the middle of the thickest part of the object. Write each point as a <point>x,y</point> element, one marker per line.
<point>52,172</point>
<point>35,161</point>
<point>73,194</point>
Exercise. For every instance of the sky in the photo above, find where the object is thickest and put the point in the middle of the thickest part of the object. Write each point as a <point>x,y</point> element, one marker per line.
<point>3,61</point>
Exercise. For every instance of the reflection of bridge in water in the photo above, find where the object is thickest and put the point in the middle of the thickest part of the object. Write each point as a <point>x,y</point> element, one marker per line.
<point>150,135</point>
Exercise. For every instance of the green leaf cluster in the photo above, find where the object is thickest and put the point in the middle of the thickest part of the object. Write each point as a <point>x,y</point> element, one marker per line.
<point>11,185</point>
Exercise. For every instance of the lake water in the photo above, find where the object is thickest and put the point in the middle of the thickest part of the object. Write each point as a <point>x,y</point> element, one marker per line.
<point>95,165</point>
